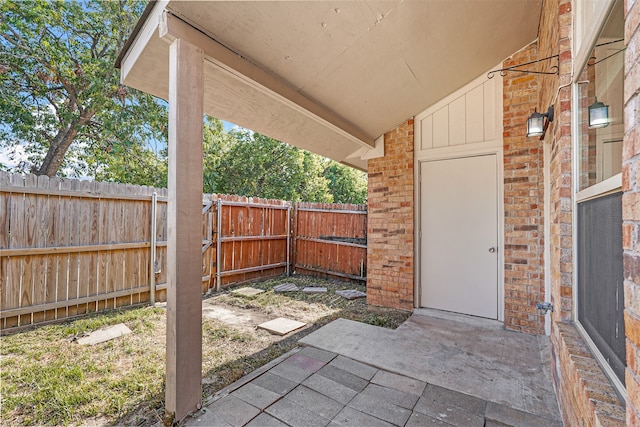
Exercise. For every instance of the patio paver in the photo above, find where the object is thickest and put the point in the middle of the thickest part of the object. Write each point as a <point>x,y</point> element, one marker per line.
<point>281,326</point>
<point>330,388</point>
<point>295,415</point>
<point>316,386</point>
<point>256,396</point>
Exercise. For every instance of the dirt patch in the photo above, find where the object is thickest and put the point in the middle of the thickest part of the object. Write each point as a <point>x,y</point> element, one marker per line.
<point>236,317</point>
<point>121,382</point>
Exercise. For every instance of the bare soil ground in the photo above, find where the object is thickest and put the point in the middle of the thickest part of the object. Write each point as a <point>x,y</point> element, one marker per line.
<point>47,379</point>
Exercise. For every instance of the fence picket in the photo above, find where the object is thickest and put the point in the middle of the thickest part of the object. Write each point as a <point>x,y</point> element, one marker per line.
<point>40,281</point>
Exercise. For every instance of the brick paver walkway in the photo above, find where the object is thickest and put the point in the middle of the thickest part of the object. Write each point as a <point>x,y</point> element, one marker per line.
<point>313,387</point>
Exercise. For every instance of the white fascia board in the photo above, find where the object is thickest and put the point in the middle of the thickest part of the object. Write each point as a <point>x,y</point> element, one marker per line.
<point>142,40</point>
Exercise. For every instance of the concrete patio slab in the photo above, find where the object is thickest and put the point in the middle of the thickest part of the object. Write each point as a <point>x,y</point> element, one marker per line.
<point>436,369</point>
<point>449,413</point>
<point>473,356</point>
<point>468,404</point>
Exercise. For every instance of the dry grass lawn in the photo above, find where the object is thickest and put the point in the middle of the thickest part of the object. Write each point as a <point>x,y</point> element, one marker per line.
<point>46,378</point>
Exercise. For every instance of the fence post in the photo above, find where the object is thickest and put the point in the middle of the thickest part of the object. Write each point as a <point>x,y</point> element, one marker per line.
<point>218,243</point>
<point>211,231</point>
<point>152,262</point>
<point>289,241</point>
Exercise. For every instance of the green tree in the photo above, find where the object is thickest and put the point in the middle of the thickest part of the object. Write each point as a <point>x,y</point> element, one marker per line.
<point>216,143</point>
<point>346,184</point>
<point>59,88</point>
<point>131,164</point>
<point>256,165</point>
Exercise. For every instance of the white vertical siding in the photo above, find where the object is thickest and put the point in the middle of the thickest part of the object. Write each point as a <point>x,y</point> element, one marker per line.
<point>470,116</point>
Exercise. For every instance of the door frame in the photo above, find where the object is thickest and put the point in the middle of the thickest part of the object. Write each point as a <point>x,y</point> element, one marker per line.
<point>454,152</point>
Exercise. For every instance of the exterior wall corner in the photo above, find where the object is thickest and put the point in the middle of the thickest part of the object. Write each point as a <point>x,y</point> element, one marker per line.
<point>390,230</point>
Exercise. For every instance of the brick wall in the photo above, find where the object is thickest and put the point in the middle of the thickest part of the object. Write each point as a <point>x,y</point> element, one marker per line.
<point>631,208</point>
<point>390,253</point>
<point>585,395</point>
<point>523,201</point>
<point>556,19</point>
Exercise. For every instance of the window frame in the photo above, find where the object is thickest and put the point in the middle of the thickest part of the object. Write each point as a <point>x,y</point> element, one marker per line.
<point>608,186</point>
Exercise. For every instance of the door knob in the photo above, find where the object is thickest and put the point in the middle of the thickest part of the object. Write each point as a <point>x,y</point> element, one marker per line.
<point>492,249</point>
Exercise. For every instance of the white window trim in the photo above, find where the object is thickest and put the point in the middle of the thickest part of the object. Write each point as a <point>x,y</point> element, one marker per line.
<point>608,186</point>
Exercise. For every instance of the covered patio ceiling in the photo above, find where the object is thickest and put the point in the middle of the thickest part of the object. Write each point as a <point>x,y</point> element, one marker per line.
<point>329,76</point>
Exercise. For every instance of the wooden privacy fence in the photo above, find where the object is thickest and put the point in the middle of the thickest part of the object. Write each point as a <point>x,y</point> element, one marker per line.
<point>69,247</point>
<point>331,239</point>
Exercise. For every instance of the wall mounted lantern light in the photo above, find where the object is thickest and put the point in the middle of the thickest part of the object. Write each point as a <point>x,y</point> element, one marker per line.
<point>537,125</point>
<point>598,115</point>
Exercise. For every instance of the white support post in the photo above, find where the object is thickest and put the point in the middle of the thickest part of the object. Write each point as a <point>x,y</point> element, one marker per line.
<point>183,393</point>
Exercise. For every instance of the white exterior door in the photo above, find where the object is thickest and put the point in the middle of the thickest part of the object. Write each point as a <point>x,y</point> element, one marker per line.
<point>459,235</point>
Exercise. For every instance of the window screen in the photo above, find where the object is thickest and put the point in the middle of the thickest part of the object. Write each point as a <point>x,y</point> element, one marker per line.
<point>600,277</point>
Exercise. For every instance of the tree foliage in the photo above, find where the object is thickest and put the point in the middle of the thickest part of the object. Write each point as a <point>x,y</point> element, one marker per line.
<point>256,165</point>
<point>250,164</point>
<point>347,185</point>
<point>61,100</point>
<point>59,89</point>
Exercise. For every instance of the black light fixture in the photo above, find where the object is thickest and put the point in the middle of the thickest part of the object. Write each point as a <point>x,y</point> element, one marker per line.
<point>536,124</point>
<point>598,115</point>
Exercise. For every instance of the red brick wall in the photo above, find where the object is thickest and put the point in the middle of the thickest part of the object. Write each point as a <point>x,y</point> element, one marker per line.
<point>585,395</point>
<point>631,208</point>
<point>390,254</point>
<point>556,19</point>
<point>523,201</point>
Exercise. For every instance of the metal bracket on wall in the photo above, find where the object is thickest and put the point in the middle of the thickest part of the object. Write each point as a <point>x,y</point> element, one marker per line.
<point>553,69</point>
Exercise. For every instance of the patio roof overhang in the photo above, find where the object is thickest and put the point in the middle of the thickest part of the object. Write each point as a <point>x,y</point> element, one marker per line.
<point>330,77</point>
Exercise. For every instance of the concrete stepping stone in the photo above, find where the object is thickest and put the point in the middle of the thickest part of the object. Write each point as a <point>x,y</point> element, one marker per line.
<point>351,294</point>
<point>247,292</point>
<point>281,326</point>
<point>105,334</point>
<point>314,290</point>
<point>286,287</point>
